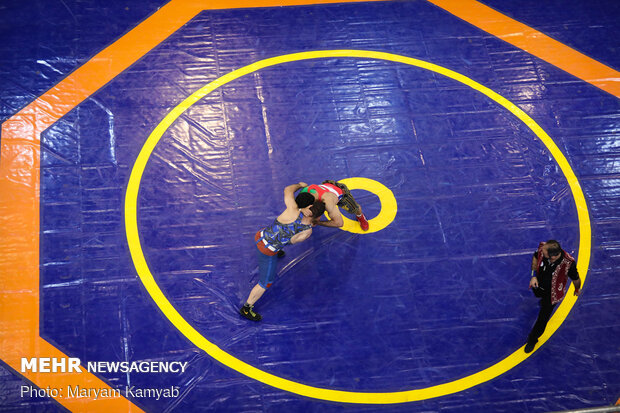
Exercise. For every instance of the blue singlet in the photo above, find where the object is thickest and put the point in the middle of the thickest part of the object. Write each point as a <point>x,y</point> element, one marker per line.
<point>279,235</point>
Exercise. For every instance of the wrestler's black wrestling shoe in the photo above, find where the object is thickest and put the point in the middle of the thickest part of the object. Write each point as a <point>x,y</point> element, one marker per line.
<point>248,312</point>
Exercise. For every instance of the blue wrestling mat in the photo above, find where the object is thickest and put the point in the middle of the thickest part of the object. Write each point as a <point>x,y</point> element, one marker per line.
<point>146,189</point>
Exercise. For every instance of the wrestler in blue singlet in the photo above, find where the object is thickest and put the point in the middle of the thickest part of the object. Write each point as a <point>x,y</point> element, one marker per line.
<point>271,240</point>
<point>278,235</point>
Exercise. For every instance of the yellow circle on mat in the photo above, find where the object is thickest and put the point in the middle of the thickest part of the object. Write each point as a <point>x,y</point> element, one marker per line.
<point>510,361</point>
<point>388,205</point>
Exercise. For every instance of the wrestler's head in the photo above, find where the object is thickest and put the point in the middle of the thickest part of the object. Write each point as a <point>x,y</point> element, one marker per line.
<point>304,200</point>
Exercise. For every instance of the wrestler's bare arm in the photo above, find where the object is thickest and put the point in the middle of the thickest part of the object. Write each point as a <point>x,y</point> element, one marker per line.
<point>331,206</point>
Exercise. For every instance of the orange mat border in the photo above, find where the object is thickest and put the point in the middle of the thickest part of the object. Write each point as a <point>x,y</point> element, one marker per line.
<point>535,43</point>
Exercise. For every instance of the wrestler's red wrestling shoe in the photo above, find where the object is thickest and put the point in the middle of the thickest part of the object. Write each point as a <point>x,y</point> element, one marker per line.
<point>363,223</point>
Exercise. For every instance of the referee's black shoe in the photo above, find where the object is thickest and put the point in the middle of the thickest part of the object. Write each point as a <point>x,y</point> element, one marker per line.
<point>529,346</point>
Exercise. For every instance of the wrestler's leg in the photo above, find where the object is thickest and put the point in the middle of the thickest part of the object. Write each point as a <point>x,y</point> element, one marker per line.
<point>267,273</point>
<point>349,204</point>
